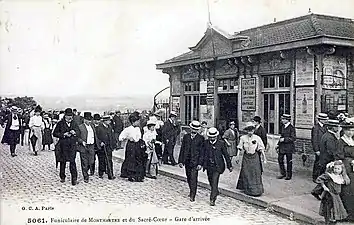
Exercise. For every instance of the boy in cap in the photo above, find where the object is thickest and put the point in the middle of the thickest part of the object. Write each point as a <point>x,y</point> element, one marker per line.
<point>286,147</point>
<point>191,157</point>
<point>318,130</point>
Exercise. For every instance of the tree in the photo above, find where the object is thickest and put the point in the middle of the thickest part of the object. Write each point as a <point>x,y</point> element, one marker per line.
<point>24,102</point>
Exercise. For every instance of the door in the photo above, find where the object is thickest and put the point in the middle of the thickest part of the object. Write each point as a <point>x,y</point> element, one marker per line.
<point>227,110</point>
<point>275,105</point>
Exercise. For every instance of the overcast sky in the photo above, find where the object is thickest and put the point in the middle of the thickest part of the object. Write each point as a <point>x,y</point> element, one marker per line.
<point>110,47</point>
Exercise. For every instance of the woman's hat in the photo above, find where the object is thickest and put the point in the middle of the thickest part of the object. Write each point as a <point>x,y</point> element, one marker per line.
<point>134,117</point>
<point>14,108</point>
<point>249,126</point>
<point>232,123</point>
<point>322,116</point>
<point>150,122</point>
<point>68,112</point>
<point>257,119</point>
<point>333,123</point>
<point>195,125</point>
<point>286,116</point>
<point>87,116</point>
<point>212,132</point>
<point>38,109</point>
<point>347,123</point>
<point>96,116</point>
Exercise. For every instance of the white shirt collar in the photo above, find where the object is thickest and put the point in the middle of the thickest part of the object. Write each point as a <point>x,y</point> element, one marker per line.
<point>213,142</point>
<point>321,124</point>
<point>287,124</point>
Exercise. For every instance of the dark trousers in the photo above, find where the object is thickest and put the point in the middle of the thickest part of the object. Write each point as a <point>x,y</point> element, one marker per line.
<point>73,170</point>
<point>213,177</point>
<point>105,163</point>
<point>13,149</point>
<point>289,164</point>
<point>168,153</point>
<point>93,165</point>
<point>87,159</point>
<point>316,172</point>
<point>192,179</point>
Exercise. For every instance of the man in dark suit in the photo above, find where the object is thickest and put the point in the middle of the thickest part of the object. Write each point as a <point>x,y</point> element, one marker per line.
<point>67,131</point>
<point>191,157</point>
<point>262,133</point>
<point>87,140</point>
<point>95,122</point>
<point>286,147</point>
<point>117,127</point>
<point>170,131</point>
<point>329,151</point>
<point>12,130</point>
<point>25,128</point>
<point>77,117</point>
<point>214,161</point>
<point>106,143</point>
<point>318,130</point>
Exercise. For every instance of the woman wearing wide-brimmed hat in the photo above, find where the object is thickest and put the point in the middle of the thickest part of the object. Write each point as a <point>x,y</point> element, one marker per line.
<point>346,149</point>
<point>231,136</point>
<point>47,132</point>
<point>250,179</point>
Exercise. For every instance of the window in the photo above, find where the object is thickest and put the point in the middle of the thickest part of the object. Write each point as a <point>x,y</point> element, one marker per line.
<point>223,84</point>
<point>284,80</point>
<point>191,107</point>
<point>203,100</point>
<point>233,84</point>
<point>269,82</point>
<point>191,86</point>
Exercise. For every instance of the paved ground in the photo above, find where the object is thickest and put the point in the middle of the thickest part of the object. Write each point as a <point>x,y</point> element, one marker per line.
<point>31,181</point>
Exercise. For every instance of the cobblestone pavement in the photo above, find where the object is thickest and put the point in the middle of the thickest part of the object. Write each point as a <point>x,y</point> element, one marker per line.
<point>28,180</point>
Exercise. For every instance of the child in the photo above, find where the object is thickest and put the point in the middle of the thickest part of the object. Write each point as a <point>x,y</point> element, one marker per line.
<point>150,140</point>
<point>332,208</point>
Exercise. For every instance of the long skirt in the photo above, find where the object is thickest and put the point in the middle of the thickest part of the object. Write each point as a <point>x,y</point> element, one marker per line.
<point>152,162</point>
<point>250,179</point>
<point>47,136</point>
<point>347,194</point>
<point>37,132</point>
<point>332,208</point>
<point>232,149</point>
<point>134,163</point>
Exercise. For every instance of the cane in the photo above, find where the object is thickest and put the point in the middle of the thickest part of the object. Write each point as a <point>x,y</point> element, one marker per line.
<point>108,163</point>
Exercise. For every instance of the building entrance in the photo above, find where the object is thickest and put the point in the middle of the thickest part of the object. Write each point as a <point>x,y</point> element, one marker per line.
<point>227,110</point>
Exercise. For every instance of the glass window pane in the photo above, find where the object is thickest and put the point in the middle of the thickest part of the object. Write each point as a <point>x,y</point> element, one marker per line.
<point>271,102</point>
<point>203,100</point>
<point>226,84</point>
<point>281,81</point>
<point>271,82</point>
<point>287,103</point>
<point>265,106</point>
<point>265,82</point>
<point>287,80</point>
<point>271,128</point>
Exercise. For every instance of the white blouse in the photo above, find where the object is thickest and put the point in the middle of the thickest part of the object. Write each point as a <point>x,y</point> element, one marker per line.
<point>251,144</point>
<point>130,133</point>
<point>36,121</point>
<point>149,136</point>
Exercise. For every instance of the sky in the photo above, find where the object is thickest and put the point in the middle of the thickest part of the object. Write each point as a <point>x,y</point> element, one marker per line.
<point>111,47</point>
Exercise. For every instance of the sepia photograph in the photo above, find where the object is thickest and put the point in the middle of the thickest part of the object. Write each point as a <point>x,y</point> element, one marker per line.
<point>174,112</point>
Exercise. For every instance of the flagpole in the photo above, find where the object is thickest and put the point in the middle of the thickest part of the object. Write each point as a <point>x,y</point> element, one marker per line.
<point>211,34</point>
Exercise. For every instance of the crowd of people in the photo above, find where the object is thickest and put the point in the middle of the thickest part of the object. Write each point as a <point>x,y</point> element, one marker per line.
<point>150,141</point>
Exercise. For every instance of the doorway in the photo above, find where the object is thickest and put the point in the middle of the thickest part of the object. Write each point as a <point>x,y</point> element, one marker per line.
<point>227,110</point>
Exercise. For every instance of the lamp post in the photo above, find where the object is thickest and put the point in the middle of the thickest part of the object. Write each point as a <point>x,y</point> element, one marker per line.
<point>154,108</point>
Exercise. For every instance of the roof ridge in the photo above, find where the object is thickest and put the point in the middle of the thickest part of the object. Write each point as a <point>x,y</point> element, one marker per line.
<point>316,25</point>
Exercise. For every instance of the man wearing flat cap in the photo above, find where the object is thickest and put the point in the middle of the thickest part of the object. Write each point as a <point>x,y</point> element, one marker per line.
<point>67,131</point>
<point>170,131</point>
<point>12,130</point>
<point>318,130</point>
<point>87,140</point>
<point>191,157</point>
<point>286,147</point>
<point>106,144</point>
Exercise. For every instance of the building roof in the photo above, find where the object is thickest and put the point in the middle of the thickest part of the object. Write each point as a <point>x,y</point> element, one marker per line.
<point>291,30</point>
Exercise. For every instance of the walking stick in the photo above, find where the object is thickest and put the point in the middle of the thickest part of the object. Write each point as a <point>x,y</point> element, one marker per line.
<point>108,163</point>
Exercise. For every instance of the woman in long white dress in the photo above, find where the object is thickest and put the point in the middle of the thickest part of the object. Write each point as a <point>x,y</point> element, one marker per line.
<point>36,126</point>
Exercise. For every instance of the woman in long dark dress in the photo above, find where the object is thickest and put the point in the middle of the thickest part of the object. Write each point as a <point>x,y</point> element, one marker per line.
<point>346,149</point>
<point>133,166</point>
<point>47,131</point>
<point>250,179</point>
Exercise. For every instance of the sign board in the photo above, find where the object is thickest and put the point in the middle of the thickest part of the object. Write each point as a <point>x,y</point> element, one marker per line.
<point>248,94</point>
<point>203,87</point>
<point>305,107</point>
<point>247,116</point>
<point>304,70</point>
<point>334,72</point>
<point>176,104</point>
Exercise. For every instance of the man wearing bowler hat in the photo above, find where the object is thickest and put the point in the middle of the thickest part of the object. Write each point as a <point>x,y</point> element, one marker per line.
<point>286,147</point>
<point>214,161</point>
<point>318,130</point>
<point>191,157</point>
<point>95,122</point>
<point>106,144</point>
<point>67,131</point>
<point>329,151</point>
<point>170,131</point>
<point>87,141</point>
<point>12,130</point>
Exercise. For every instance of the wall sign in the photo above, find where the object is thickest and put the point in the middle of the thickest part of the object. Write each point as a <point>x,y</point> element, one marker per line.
<point>248,94</point>
<point>304,70</point>
<point>176,104</point>
<point>334,72</point>
<point>247,116</point>
<point>305,107</point>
